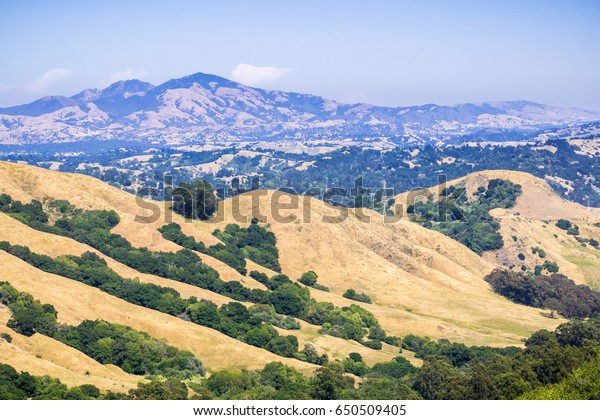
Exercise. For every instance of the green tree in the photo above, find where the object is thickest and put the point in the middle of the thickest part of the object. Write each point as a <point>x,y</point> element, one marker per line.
<point>160,390</point>
<point>309,278</point>
<point>439,380</point>
<point>328,383</point>
<point>235,311</point>
<point>195,201</point>
<point>385,389</point>
<point>229,381</point>
<point>397,368</point>
<point>290,299</point>
<point>204,313</point>
<point>30,316</point>
<point>260,336</point>
<point>284,378</point>
<point>286,346</point>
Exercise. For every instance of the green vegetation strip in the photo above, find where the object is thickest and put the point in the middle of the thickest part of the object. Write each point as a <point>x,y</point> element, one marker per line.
<point>93,227</point>
<point>232,319</point>
<point>555,292</point>
<point>468,221</point>
<point>133,351</point>
<point>559,364</point>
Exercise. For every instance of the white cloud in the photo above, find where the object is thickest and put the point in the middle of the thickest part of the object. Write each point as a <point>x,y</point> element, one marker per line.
<point>4,87</point>
<point>127,74</point>
<point>257,76</point>
<point>47,79</point>
<point>355,97</point>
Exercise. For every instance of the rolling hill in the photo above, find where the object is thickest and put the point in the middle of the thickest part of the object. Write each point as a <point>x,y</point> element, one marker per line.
<point>532,223</point>
<point>421,281</point>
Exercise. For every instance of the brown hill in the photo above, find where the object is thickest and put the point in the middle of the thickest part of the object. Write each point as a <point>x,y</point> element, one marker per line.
<point>532,223</point>
<point>41,355</point>
<point>421,282</point>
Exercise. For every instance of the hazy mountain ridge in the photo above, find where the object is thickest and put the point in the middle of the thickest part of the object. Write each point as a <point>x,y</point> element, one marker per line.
<point>202,107</point>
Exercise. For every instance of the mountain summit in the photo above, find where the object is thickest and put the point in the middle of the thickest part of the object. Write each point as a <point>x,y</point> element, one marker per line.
<point>203,107</point>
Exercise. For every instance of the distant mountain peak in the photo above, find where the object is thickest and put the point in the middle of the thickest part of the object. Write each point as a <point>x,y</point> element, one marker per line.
<point>203,79</point>
<point>87,95</point>
<point>125,88</point>
<point>205,107</point>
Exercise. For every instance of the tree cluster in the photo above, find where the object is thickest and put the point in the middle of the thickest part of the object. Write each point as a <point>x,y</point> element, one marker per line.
<point>556,292</point>
<point>468,221</point>
<point>256,243</point>
<point>229,254</point>
<point>360,297</point>
<point>196,200</point>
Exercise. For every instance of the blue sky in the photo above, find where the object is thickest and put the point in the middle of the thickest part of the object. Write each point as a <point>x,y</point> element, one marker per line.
<point>382,52</point>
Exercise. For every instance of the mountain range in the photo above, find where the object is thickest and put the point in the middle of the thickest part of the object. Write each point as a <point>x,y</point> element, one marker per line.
<point>205,108</point>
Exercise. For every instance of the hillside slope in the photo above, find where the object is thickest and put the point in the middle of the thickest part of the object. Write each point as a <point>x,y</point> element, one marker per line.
<point>532,223</point>
<point>53,245</point>
<point>17,233</point>
<point>41,355</point>
<point>76,302</point>
<point>421,282</point>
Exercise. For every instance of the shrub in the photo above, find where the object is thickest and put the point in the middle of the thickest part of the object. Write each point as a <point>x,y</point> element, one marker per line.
<point>563,224</point>
<point>397,368</point>
<point>309,278</point>
<point>286,346</point>
<point>290,299</point>
<point>373,344</point>
<point>550,266</point>
<point>360,297</point>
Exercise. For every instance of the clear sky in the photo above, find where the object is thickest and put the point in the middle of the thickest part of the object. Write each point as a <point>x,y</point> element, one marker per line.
<point>382,52</point>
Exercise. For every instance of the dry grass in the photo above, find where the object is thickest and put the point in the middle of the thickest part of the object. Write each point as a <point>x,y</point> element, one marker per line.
<point>41,355</point>
<point>532,222</point>
<point>76,302</point>
<point>25,183</point>
<point>40,242</point>
<point>421,282</point>
<point>17,233</point>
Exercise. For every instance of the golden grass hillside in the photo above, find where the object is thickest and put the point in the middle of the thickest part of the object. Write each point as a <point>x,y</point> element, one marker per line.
<point>532,223</point>
<point>421,282</point>
<point>40,242</point>
<point>41,355</point>
<point>76,302</point>
<point>23,182</point>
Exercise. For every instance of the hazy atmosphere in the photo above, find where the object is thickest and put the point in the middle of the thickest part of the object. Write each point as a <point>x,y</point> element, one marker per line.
<point>396,53</point>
